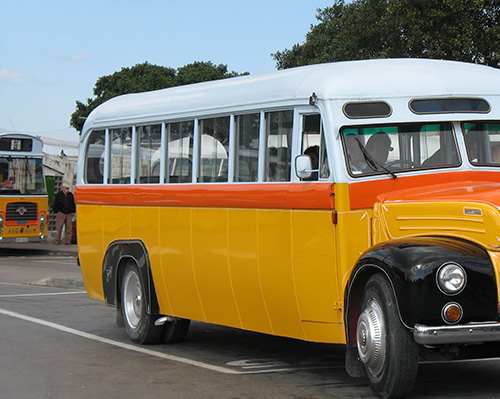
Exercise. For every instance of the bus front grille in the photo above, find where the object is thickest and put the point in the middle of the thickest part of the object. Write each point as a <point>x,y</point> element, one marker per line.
<point>21,212</point>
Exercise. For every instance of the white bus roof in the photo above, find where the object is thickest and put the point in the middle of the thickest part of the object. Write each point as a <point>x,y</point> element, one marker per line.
<point>349,80</point>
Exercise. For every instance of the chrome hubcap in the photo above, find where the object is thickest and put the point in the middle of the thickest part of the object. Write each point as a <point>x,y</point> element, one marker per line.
<point>371,335</point>
<point>132,301</point>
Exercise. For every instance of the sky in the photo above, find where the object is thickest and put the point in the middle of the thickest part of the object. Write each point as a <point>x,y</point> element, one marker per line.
<point>53,51</point>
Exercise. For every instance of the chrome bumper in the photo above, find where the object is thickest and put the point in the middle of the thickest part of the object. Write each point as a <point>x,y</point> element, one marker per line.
<point>461,334</point>
<point>40,238</point>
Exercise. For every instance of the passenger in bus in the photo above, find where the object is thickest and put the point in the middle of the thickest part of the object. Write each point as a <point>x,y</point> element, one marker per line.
<point>378,147</point>
<point>473,140</point>
<point>440,157</point>
<point>313,153</point>
<point>435,159</point>
<point>446,154</point>
<point>495,154</point>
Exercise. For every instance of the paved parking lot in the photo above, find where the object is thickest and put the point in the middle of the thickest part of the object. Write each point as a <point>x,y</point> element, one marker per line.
<point>57,343</point>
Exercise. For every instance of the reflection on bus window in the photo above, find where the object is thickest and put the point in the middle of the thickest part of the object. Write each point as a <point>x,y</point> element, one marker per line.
<point>214,149</point>
<point>247,136</point>
<point>279,140</point>
<point>94,167</point>
<point>121,151</point>
<point>483,142</point>
<point>392,148</point>
<point>149,144</point>
<point>22,176</point>
<point>179,151</point>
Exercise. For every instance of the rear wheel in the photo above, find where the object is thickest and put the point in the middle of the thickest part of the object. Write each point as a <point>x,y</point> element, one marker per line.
<point>139,324</point>
<point>386,348</point>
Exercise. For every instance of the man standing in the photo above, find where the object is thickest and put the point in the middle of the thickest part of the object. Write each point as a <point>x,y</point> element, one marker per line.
<point>64,208</point>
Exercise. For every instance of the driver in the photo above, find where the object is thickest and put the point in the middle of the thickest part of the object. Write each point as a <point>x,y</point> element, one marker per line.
<point>378,147</point>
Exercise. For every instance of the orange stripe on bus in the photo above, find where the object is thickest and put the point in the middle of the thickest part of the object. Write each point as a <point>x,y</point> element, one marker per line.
<point>268,195</point>
<point>364,194</point>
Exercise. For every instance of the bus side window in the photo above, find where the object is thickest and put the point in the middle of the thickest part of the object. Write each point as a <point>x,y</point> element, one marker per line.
<point>313,144</point>
<point>149,154</point>
<point>247,138</point>
<point>94,158</point>
<point>179,151</point>
<point>214,149</point>
<point>121,155</point>
<point>279,127</point>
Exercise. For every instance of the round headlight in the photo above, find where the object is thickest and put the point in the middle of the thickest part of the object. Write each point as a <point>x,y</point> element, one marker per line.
<point>41,222</point>
<point>451,278</point>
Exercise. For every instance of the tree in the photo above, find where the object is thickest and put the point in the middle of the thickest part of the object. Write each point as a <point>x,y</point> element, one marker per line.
<point>202,72</point>
<point>463,30</point>
<point>146,77</point>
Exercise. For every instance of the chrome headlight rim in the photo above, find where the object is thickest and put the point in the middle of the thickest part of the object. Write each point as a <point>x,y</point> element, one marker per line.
<point>445,273</point>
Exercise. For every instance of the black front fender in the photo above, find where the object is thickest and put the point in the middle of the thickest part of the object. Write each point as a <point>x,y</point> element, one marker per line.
<point>411,265</point>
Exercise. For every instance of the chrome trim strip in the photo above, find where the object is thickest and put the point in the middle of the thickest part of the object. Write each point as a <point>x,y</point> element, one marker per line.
<point>461,334</point>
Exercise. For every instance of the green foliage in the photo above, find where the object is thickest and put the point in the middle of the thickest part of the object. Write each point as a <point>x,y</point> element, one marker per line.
<point>146,77</point>
<point>464,30</point>
<point>202,72</point>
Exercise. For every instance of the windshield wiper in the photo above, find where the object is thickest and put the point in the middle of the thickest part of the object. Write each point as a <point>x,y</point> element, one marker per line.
<point>374,165</point>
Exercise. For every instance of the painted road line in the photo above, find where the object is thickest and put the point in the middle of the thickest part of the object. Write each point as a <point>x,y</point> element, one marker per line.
<point>146,351</point>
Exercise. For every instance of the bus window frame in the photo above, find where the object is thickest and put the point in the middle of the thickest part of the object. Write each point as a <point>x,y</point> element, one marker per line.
<point>299,112</point>
<point>380,126</point>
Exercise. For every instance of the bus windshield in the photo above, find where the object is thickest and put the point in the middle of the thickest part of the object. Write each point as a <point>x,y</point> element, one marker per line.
<point>393,148</point>
<point>21,176</point>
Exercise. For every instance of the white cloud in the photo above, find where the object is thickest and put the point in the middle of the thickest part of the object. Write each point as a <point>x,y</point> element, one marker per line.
<point>79,57</point>
<point>13,77</point>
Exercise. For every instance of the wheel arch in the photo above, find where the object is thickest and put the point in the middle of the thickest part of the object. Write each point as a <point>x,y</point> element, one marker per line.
<point>354,293</point>
<point>410,265</point>
<point>117,256</point>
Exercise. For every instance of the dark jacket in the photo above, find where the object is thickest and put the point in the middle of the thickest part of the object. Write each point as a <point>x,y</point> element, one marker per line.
<point>64,203</point>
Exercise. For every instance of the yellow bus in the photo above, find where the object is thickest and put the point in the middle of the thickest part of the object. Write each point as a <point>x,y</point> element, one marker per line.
<point>353,203</point>
<point>23,196</point>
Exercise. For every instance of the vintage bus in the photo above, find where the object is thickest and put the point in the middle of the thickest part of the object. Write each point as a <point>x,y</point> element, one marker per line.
<point>355,203</point>
<point>23,196</point>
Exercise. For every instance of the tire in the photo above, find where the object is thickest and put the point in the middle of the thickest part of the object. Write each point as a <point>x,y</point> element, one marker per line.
<point>175,330</point>
<point>386,348</point>
<point>139,325</point>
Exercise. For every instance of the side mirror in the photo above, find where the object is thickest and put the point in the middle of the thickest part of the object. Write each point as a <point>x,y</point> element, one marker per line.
<point>303,166</point>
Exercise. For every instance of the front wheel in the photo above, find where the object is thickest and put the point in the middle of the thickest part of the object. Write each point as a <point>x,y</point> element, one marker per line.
<point>139,324</point>
<point>386,348</point>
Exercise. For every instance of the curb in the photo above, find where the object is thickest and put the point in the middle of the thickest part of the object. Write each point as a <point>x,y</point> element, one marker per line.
<point>25,251</point>
<point>59,283</point>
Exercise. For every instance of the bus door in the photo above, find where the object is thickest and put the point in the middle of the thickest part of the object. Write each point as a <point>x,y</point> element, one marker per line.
<point>314,237</point>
